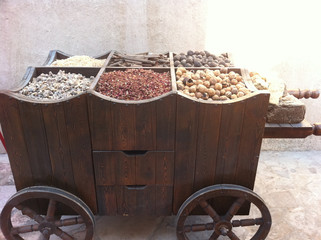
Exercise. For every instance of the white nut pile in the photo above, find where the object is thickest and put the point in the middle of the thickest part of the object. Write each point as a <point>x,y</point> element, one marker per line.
<point>56,86</point>
<point>211,84</point>
<point>79,61</point>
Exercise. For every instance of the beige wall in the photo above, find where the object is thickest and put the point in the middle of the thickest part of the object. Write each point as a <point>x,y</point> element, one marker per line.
<point>275,37</point>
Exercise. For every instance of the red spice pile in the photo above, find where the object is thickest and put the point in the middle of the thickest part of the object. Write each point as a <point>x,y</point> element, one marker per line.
<point>134,84</point>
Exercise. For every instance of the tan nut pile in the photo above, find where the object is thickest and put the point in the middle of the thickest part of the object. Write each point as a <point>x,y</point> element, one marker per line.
<point>259,82</point>
<point>211,84</point>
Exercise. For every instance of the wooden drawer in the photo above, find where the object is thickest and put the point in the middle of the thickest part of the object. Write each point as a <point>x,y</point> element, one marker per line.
<point>134,168</point>
<point>135,200</point>
<point>134,183</point>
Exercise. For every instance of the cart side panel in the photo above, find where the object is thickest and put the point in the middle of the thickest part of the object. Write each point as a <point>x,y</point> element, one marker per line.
<point>217,143</point>
<point>15,142</point>
<point>36,140</point>
<point>251,139</point>
<point>185,150</point>
<point>58,146</point>
<point>80,149</point>
<point>121,126</point>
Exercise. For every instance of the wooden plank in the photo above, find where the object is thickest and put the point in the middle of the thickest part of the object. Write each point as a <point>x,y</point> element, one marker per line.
<point>126,201</point>
<point>299,130</point>
<point>207,144</point>
<point>36,141</point>
<point>165,168</point>
<point>58,146</point>
<point>145,200</point>
<point>124,126</point>
<point>107,203</point>
<point>80,149</point>
<point>101,124</point>
<point>105,168</point>
<point>251,139</point>
<point>136,200</point>
<point>125,168</point>
<point>164,199</point>
<point>15,142</point>
<point>186,141</point>
<point>145,168</point>
<point>145,134</point>
<point>229,142</point>
<point>166,120</point>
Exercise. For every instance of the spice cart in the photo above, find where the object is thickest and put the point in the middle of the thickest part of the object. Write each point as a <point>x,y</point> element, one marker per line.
<point>92,154</point>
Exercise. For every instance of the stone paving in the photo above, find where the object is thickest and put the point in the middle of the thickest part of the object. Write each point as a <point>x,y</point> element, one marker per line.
<point>289,183</point>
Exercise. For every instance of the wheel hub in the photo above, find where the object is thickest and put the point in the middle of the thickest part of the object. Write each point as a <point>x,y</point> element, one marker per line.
<point>47,228</point>
<point>223,227</point>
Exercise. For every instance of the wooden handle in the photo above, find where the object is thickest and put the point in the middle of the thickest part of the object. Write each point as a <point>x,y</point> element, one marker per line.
<point>317,129</point>
<point>306,93</point>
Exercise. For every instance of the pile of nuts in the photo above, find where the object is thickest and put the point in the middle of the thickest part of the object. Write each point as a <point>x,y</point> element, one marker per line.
<point>201,59</point>
<point>134,84</point>
<point>56,86</point>
<point>79,61</point>
<point>211,84</point>
<point>259,82</point>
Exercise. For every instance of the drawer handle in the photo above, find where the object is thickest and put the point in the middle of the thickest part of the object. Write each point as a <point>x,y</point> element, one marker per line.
<point>135,152</point>
<point>136,187</point>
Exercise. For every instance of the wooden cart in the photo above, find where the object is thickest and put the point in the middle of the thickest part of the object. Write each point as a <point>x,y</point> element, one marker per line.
<point>93,154</point>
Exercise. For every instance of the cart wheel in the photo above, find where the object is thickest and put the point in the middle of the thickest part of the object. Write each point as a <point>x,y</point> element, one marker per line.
<point>223,225</point>
<point>45,225</point>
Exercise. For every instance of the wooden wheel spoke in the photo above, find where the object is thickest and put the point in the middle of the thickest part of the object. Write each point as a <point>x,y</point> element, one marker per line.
<point>247,222</point>
<point>209,210</point>
<point>25,229</point>
<point>45,236</point>
<point>63,235</point>
<point>214,236</point>
<point>30,213</point>
<point>69,221</point>
<point>232,236</point>
<point>234,209</point>
<point>51,209</point>
<point>198,227</point>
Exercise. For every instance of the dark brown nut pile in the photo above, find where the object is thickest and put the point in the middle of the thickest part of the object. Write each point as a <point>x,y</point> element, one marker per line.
<point>134,84</point>
<point>56,86</point>
<point>201,59</point>
<point>139,60</point>
<point>211,84</point>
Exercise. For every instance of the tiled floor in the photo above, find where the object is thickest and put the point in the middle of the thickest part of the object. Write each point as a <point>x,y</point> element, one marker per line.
<point>289,182</point>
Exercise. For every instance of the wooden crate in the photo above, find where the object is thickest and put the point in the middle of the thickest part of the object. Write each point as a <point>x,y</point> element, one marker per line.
<point>132,125</point>
<point>132,157</point>
<point>48,142</point>
<point>217,142</point>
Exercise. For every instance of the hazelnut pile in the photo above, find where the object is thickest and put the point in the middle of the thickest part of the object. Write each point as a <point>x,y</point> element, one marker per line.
<point>211,84</point>
<point>201,59</point>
